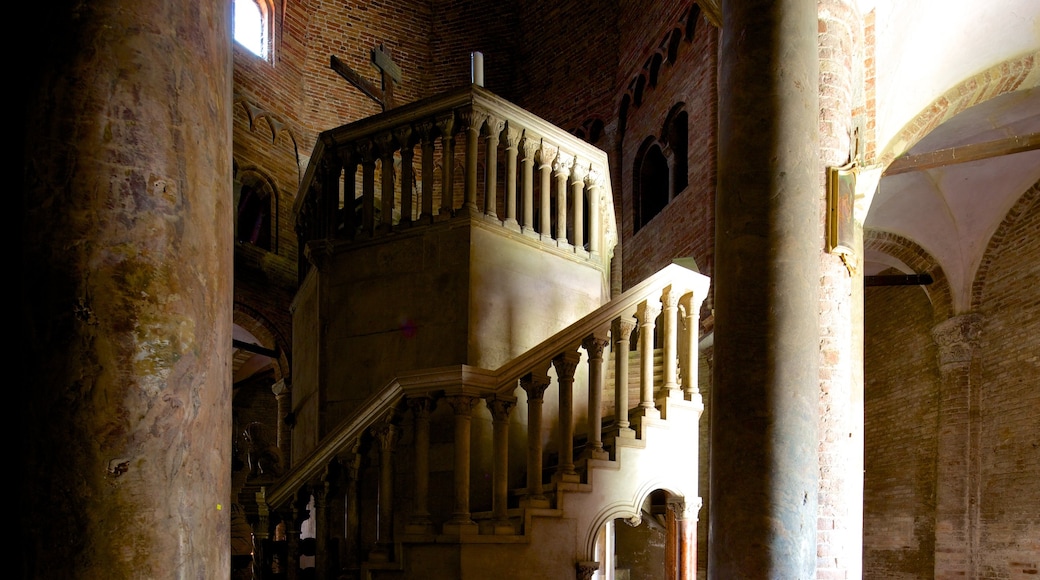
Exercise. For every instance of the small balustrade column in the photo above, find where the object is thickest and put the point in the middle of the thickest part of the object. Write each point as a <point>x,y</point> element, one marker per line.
<point>494,129</point>
<point>565,364</point>
<point>534,384</point>
<point>261,532</point>
<point>385,433</point>
<point>283,399</point>
<point>546,157</point>
<point>292,520</point>
<point>670,330</point>
<point>646,313</point>
<point>420,522</point>
<point>500,407</point>
<point>512,143</point>
<point>331,174</point>
<point>350,159</point>
<point>531,148</point>
<point>578,195</point>
<point>366,150</point>
<point>426,139</point>
<point>562,170</point>
<point>352,549</point>
<point>321,525</point>
<point>403,136</point>
<point>386,147</point>
<point>688,358</point>
<point>594,345</point>
<point>461,522</point>
<point>446,126</point>
<point>472,122</point>
<point>594,182</point>
<point>621,334</point>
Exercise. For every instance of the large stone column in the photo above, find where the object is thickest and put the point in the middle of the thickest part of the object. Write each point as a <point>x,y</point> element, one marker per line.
<point>125,303</point>
<point>763,474</point>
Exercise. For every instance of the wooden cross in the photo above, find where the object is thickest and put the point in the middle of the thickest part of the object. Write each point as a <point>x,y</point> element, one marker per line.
<point>390,72</point>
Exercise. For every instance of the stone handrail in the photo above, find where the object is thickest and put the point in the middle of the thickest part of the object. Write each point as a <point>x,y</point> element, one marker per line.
<point>537,179</point>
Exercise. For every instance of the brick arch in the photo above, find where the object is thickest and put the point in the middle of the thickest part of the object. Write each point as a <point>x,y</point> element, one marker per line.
<point>276,126</point>
<point>267,333</point>
<point>255,177</point>
<point>1001,78</point>
<point>918,259</point>
<point>996,242</point>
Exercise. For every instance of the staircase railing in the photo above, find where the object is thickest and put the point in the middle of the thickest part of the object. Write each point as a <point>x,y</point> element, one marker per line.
<point>513,168</point>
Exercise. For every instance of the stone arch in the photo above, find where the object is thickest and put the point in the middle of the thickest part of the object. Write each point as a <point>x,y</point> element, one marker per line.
<point>264,188</point>
<point>626,510</point>
<point>1001,78</point>
<point>252,321</point>
<point>919,261</point>
<point>996,241</point>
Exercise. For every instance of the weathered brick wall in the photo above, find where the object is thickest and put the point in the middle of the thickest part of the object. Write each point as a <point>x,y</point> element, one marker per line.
<point>901,401</point>
<point>1009,396</point>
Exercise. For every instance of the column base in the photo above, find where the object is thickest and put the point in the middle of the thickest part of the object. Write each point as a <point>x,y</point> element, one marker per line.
<point>461,528</point>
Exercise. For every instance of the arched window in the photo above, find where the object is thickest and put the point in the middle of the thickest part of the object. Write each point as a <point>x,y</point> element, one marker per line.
<point>677,136</point>
<point>256,217</point>
<point>250,19</point>
<point>651,183</point>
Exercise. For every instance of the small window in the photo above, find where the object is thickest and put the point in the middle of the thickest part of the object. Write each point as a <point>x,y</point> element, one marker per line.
<point>250,26</point>
<point>254,217</point>
<point>651,183</point>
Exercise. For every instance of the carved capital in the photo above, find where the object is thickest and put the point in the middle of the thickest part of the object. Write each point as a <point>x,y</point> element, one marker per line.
<point>594,345</point>
<point>494,126</point>
<point>500,407</point>
<point>565,363</point>
<point>426,131</point>
<point>366,151</point>
<point>471,119</point>
<point>957,339</point>
<point>422,406</point>
<point>670,297</point>
<point>386,145</point>
<point>513,134</point>
<point>547,154</point>
<point>534,385</point>
<point>646,312</point>
<point>563,164</point>
<point>446,125</point>
<point>531,147</point>
<point>594,177</point>
<point>403,135</point>
<point>578,172</point>
<point>386,434</point>
<point>621,329</point>
<point>462,404</point>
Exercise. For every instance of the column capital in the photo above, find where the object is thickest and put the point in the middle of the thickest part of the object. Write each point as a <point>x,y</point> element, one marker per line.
<point>531,145</point>
<point>403,135</point>
<point>547,154</point>
<point>281,388</point>
<point>446,125</point>
<point>472,119</point>
<point>494,125</point>
<point>500,406</point>
<point>563,164</point>
<point>534,385</point>
<point>578,172</point>
<point>386,434</point>
<point>646,312</point>
<point>957,338</point>
<point>462,403</point>
<point>594,345</point>
<point>566,362</point>
<point>621,328</point>
<point>421,405</point>
<point>513,134</point>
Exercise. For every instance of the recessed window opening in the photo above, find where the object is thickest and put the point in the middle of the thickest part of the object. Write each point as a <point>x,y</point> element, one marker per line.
<point>651,183</point>
<point>250,26</point>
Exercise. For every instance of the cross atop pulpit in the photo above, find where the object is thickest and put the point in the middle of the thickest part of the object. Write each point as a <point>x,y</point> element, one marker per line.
<point>389,71</point>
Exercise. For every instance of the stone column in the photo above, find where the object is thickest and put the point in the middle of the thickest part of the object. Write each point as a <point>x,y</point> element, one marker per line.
<point>956,493</point>
<point>350,162</point>
<point>512,143</point>
<point>621,333</point>
<point>647,313</point>
<point>578,195</point>
<point>124,241</point>
<point>446,126</point>
<point>565,364</point>
<point>385,433</point>
<point>472,121</point>
<point>283,398</point>
<point>534,384</point>
<point>367,152</point>
<point>562,170</point>
<point>420,522</point>
<point>593,182</point>
<point>530,148</point>
<point>500,407</point>
<point>690,354</point>
<point>321,525</point>
<point>403,137</point>
<point>460,522</point>
<point>594,345</point>
<point>494,129</point>
<point>386,145</point>
<point>426,136</point>
<point>764,433</point>
<point>352,550</point>
<point>546,156</point>
<point>670,302</point>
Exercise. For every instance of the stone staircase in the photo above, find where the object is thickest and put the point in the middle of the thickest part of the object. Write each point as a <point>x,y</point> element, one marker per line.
<point>519,472</point>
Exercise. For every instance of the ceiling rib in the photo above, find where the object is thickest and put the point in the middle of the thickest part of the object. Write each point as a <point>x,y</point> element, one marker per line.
<point>964,154</point>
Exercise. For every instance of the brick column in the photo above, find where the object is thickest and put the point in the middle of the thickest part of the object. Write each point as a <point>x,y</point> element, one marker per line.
<point>124,213</point>
<point>956,499</point>
<point>764,441</point>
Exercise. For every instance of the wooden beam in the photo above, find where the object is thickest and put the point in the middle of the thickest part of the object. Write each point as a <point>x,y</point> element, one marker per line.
<point>964,154</point>
<point>373,92</point>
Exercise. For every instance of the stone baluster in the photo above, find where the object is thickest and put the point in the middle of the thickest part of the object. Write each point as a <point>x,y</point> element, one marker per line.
<point>321,524</point>
<point>594,182</point>
<point>531,148</point>
<point>283,399</point>
<point>562,170</point>
<point>534,384</point>
<point>350,164</point>
<point>621,333</point>
<point>472,122</point>
<point>352,550</point>
<point>331,175</point>
<point>565,364</point>
<point>578,195</point>
<point>292,518</point>
<point>501,406</point>
<point>670,330</point>
<point>368,186</point>
<point>335,518</point>
<point>594,345</point>
<point>261,532</point>
<point>495,126</point>
<point>446,126</point>
<point>647,313</point>
<point>385,433</point>
<point>460,522</point>
<point>688,358</point>
<point>386,147</point>
<point>512,144</point>
<point>420,523</point>
<point>426,139</point>
<point>403,136</point>
<point>546,157</point>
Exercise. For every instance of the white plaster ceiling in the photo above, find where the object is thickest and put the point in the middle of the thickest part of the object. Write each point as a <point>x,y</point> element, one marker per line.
<point>951,211</point>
